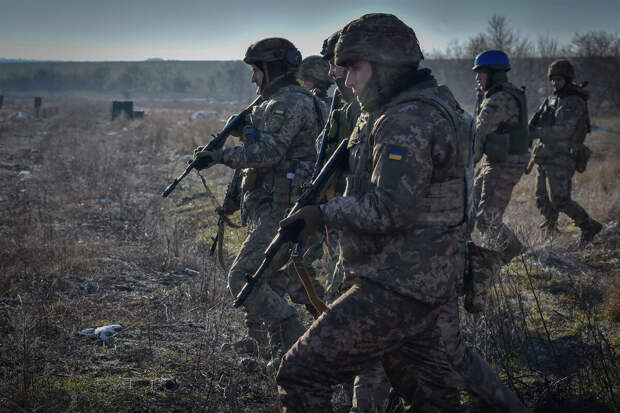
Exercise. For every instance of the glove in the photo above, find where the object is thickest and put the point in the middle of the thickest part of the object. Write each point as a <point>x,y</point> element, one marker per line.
<point>207,158</point>
<point>228,208</point>
<point>304,223</point>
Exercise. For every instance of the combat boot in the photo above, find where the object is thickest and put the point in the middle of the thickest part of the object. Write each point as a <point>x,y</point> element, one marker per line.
<point>252,344</point>
<point>589,231</point>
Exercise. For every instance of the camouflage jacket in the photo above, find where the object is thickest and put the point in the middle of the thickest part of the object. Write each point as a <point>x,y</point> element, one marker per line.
<point>564,121</point>
<point>398,156</point>
<point>278,153</point>
<point>497,110</point>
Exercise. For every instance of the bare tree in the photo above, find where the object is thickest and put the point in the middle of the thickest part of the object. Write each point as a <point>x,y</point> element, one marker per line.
<point>547,46</point>
<point>455,50</point>
<point>595,44</point>
<point>476,45</point>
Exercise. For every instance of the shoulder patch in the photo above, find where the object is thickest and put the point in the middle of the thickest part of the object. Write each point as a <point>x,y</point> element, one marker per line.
<point>274,116</point>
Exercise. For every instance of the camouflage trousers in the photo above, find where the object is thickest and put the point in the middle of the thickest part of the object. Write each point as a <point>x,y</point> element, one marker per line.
<point>420,347</point>
<point>267,302</point>
<point>369,391</point>
<point>553,195</point>
<point>493,187</point>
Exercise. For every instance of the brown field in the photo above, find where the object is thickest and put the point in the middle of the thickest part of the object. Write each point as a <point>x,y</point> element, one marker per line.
<point>87,240</point>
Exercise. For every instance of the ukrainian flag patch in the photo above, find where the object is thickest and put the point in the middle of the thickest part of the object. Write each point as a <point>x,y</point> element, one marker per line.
<point>279,110</point>
<point>395,154</point>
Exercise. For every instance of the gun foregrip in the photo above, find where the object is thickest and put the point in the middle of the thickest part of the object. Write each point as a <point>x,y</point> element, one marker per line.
<point>243,294</point>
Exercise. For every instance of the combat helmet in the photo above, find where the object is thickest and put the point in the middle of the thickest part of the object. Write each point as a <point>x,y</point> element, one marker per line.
<point>329,45</point>
<point>277,58</point>
<point>317,69</point>
<point>380,38</point>
<point>273,49</point>
<point>561,68</point>
<point>494,60</point>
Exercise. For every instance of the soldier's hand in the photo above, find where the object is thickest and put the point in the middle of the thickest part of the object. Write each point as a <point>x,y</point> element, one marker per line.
<point>306,222</point>
<point>206,159</point>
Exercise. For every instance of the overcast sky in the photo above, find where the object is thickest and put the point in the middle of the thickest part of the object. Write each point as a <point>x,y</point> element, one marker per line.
<point>98,30</point>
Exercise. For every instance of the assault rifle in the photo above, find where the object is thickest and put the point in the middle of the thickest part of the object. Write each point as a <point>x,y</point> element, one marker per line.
<point>217,142</point>
<point>310,196</point>
<point>320,157</point>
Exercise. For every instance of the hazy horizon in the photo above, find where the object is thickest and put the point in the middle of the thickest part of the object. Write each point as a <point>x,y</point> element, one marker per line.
<point>71,30</point>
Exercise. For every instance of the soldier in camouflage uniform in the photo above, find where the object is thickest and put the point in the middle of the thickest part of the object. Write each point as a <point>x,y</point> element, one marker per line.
<point>314,74</point>
<point>561,126</point>
<point>403,238</point>
<point>370,388</point>
<point>502,132</point>
<point>276,158</point>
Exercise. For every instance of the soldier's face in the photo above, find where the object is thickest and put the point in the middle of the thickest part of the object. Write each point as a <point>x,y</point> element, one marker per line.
<point>482,79</point>
<point>358,75</point>
<point>335,71</point>
<point>257,76</point>
<point>557,82</point>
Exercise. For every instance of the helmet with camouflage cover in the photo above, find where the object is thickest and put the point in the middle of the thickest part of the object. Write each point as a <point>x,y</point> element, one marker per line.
<point>379,38</point>
<point>273,49</point>
<point>317,70</point>
<point>277,58</point>
<point>561,68</point>
<point>329,45</point>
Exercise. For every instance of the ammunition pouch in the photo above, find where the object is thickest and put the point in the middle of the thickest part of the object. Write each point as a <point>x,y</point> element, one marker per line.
<point>283,195</point>
<point>497,147</point>
<point>581,154</point>
<point>519,139</point>
<point>483,266</point>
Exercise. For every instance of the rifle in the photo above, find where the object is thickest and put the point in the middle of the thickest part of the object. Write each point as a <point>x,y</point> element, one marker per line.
<point>320,156</point>
<point>310,196</point>
<point>216,143</point>
<point>218,240</point>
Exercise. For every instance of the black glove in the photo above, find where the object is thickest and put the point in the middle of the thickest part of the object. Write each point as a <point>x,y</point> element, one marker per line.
<point>206,159</point>
<point>306,222</point>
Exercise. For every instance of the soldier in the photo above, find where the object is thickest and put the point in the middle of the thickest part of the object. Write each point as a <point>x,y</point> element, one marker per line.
<point>402,220</point>
<point>370,388</point>
<point>502,132</point>
<point>314,74</point>
<point>277,156</point>
<point>561,126</point>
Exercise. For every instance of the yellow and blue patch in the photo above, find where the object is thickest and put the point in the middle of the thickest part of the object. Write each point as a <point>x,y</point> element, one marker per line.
<point>279,110</point>
<point>395,154</point>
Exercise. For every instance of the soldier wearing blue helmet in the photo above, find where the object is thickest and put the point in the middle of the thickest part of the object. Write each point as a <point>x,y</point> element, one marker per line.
<point>502,149</point>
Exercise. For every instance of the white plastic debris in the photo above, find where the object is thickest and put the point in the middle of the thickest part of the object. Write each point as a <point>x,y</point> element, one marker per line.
<point>103,333</point>
<point>19,116</point>
<point>203,115</point>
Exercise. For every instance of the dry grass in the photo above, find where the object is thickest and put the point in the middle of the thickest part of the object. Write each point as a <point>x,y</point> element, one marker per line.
<point>87,240</point>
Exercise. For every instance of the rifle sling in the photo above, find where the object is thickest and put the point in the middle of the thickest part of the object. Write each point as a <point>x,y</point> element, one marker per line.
<point>305,280</point>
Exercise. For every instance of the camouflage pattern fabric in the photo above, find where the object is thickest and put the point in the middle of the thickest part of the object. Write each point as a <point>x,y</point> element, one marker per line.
<point>390,172</point>
<point>419,346</point>
<point>495,181</point>
<point>564,115</point>
<point>371,390</point>
<point>401,310</point>
<point>484,265</point>
<point>279,155</point>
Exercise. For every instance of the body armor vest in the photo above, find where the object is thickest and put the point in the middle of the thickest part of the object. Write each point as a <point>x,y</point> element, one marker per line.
<point>284,180</point>
<point>447,203</point>
<point>516,133</point>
